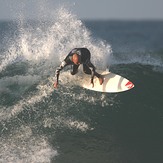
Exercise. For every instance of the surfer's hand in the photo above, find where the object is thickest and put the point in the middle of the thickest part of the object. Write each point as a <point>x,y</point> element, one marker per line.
<point>101,80</point>
<point>55,84</point>
<point>92,84</point>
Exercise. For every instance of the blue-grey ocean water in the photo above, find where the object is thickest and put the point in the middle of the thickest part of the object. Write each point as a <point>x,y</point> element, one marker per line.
<point>39,124</point>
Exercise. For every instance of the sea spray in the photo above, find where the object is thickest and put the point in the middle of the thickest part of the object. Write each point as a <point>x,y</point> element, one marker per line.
<point>43,48</point>
<point>52,43</point>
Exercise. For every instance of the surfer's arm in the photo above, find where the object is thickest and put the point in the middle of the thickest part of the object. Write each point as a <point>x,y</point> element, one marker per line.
<point>92,75</point>
<point>67,61</point>
<point>57,72</point>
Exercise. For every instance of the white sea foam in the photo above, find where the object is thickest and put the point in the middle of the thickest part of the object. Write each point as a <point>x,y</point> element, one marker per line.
<point>43,91</point>
<point>79,125</point>
<point>19,80</point>
<point>66,123</point>
<point>23,147</point>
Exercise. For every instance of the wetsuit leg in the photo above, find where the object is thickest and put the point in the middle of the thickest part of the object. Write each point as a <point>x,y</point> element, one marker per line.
<point>86,69</point>
<point>97,74</point>
<point>74,69</point>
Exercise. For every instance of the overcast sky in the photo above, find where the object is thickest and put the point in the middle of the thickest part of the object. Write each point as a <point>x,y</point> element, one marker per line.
<point>86,9</point>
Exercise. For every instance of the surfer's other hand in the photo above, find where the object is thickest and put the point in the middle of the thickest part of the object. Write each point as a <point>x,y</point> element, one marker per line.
<point>101,80</point>
<point>92,84</point>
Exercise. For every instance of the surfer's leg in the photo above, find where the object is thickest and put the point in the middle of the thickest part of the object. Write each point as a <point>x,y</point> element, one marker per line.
<point>74,69</point>
<point>100,77</point>
<point>97,74</point>
<point>86,69</point>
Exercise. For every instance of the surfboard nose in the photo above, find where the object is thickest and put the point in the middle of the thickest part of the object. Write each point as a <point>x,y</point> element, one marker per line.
<point>129,85</point>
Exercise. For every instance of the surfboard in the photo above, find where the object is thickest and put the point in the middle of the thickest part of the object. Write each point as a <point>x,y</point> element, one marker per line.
<point>113,83</point>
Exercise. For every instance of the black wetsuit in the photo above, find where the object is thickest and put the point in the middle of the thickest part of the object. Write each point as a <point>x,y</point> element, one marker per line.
<point>85,56</point>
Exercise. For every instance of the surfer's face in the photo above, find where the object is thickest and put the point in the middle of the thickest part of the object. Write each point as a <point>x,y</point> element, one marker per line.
<point>76,59</point>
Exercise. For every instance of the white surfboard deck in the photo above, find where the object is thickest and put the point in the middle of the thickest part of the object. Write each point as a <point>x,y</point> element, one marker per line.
<point>112,83</point>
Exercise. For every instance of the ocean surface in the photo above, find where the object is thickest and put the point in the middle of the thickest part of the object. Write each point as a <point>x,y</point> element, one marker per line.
<point>39,124</point>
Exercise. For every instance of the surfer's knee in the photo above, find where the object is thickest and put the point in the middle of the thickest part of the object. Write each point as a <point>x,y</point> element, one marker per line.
<point>74,72</point>
<point>87,72</point>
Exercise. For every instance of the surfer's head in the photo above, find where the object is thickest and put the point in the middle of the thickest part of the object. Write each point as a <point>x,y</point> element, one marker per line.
<point>76,59</point>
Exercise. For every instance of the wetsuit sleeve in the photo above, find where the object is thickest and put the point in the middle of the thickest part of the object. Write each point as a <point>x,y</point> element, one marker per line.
<point>57,72</point>
<point>67,61</point>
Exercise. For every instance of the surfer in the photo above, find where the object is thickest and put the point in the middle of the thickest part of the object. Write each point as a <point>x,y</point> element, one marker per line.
<point>76,57</point>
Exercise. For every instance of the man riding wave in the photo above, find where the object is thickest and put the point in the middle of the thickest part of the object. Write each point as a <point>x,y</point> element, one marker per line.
<point>76,57</point>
